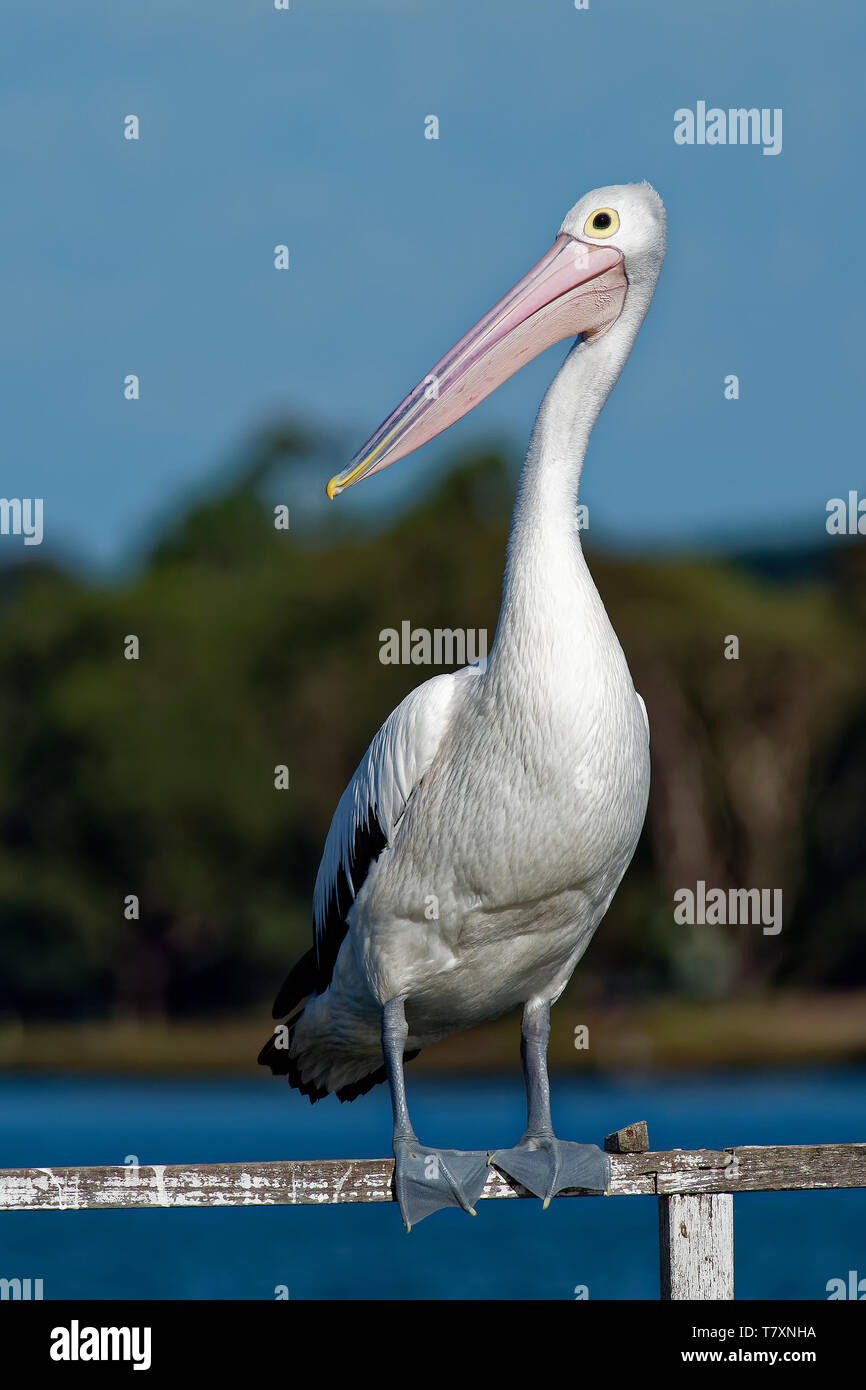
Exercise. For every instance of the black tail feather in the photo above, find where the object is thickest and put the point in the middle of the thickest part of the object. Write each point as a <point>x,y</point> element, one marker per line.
<point>366,1083</point>
<point>282,1064</point>
<point>298,985</point>
<point>302,981</point>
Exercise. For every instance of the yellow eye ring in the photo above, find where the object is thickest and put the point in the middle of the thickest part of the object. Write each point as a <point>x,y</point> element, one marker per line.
<point>601,223</point>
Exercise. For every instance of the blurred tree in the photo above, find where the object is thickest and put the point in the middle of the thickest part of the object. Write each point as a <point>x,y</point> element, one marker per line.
<point>260,647</point>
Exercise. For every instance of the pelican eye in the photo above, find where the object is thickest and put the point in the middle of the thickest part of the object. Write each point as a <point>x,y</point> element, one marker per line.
<point>601,223</point>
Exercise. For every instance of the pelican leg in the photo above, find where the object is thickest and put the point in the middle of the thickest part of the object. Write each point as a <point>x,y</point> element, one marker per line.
<point>424,1179</point>
<point>541,1162</point>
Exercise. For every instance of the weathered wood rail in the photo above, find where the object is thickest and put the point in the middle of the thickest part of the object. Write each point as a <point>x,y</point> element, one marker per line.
<point>695,1189</point>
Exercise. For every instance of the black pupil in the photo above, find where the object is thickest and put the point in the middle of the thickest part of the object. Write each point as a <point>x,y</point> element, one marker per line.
<point>601,221</point>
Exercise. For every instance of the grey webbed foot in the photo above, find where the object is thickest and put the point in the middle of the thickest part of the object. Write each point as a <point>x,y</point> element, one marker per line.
<point>427,1179</point>
<point>546,1165</point>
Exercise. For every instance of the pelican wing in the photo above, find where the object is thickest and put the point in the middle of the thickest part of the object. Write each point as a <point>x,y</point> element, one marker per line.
<point>373,803</point>
<point>642,703</point>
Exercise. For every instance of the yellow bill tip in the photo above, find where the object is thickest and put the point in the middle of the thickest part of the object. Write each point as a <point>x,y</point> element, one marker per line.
<point>333,488</point>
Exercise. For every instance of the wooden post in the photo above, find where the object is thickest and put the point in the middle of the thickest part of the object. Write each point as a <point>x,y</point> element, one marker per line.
<point>696,1240</point>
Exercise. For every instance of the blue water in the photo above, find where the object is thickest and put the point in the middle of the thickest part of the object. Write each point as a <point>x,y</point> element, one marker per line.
<point>788,1245</point>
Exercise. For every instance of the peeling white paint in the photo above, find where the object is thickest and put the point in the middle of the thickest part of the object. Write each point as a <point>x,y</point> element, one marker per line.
<point>159,1175</point>
<point>340,1183</point>
<point>56,1181</point>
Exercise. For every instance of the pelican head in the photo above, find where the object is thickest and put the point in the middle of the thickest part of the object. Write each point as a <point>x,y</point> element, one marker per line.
<point>629,217</point>
<point>603,265</point>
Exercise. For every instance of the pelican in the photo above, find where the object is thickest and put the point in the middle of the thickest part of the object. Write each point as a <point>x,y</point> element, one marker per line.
<point>487,827</point>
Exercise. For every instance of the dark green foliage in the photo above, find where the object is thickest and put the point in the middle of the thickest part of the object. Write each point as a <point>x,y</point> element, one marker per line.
<point>260,647</point>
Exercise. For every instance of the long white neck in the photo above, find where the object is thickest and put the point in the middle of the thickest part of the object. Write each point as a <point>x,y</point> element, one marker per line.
<point>548,593</point>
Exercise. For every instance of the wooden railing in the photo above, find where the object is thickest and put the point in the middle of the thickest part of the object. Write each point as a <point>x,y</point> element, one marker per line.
<point>695,1189</point>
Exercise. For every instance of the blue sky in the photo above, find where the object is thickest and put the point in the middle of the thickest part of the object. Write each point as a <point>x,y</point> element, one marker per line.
<point>307,127</point>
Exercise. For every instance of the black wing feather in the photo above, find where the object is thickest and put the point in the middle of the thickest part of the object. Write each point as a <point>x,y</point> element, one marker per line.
<point>369,841</point>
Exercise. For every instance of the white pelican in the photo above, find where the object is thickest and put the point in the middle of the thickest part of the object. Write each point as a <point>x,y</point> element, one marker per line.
<point>485,831</point>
